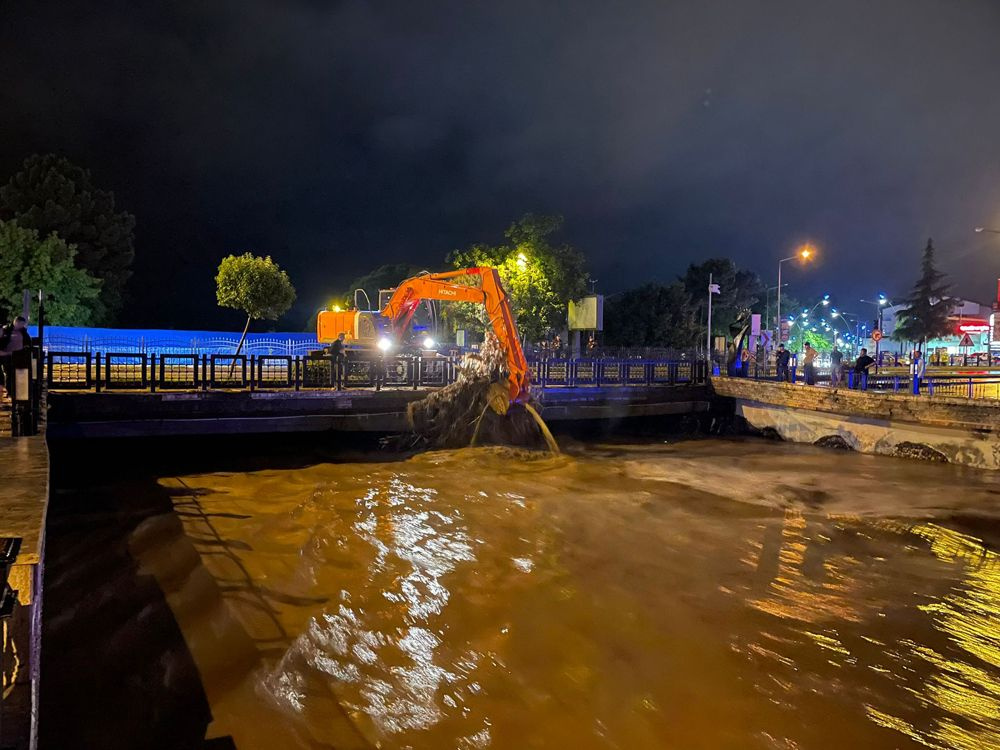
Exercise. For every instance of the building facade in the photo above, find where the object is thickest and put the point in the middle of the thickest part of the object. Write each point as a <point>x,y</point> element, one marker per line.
<point>972,331</point>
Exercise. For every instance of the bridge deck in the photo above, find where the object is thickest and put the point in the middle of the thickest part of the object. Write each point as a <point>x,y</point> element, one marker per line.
<point>75,414</point>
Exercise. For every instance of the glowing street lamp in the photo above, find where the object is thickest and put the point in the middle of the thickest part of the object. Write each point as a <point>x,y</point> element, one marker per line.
<point>804,254</point>
<point>980,230</point>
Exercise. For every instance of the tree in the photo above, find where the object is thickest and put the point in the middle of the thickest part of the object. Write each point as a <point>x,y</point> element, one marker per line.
<point>255,285</point>
<point>29,262</point>
<point>739,290</point>
<point>541,278</point>
<point>927,308</point>
<point>651,315</point>
<point>51,194</point>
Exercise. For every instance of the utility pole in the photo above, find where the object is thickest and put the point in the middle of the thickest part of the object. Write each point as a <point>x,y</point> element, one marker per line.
<point>712,289</point>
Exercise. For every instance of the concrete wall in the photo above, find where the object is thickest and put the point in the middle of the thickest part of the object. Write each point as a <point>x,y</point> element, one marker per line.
<point>961,431</point>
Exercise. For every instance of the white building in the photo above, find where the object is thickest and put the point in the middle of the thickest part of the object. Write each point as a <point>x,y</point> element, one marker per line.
<point>969,318</point>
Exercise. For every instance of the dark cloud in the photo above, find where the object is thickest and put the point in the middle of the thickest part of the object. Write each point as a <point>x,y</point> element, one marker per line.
<point>337,136</point>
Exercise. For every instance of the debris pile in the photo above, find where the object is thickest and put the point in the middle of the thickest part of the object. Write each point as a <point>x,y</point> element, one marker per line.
<point>475,409</point>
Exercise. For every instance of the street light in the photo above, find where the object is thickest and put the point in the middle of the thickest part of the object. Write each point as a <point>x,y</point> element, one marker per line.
<point>980,230</point>
<point>880,304</point>
<point>805,253</point>
<point>767,307</point>
<point>835,314</point>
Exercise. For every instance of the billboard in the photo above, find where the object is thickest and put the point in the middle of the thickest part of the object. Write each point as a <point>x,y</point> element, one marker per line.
<point>587,314</point>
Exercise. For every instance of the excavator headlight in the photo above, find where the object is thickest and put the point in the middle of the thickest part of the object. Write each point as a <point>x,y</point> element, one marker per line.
<point>429,343</point>
<point>384,344</point>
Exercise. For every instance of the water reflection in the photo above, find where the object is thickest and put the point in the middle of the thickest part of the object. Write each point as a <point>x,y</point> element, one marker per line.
<point>940,692</point>
<point>633,597</point>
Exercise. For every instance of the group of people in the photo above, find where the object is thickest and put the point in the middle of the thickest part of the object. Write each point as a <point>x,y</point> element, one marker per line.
<point>783,358</point>
<point>13,338</point>
<point>556,348</point>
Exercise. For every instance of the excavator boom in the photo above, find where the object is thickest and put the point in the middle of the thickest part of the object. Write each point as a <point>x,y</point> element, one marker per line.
<point>490,293</point>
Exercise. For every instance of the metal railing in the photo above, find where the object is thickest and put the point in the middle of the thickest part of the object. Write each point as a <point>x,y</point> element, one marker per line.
<point>955,386</point>
<point>142,371</point>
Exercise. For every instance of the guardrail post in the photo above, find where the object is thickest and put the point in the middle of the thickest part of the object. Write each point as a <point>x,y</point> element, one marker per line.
<point>97,380</point>
<point>416,363</point>
<point>152,372</point>
<point>253,359</point>
<point>916,385</point>
<point>970,387</point>
<point>204,368</point>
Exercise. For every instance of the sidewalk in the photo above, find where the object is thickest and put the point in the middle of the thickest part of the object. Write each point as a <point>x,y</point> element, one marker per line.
<point>24,496</point>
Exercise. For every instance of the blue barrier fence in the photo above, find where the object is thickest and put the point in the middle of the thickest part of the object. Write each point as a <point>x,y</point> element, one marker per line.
<point>162,341</point>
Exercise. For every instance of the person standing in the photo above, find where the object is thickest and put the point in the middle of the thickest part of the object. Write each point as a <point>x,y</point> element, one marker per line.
<point>781,359</point>
<point>338,362</point>
<point>14,340</point>
<point>918,366</point>
<point>808,364</point>
<point>861,370</point>
<point>836,365</point>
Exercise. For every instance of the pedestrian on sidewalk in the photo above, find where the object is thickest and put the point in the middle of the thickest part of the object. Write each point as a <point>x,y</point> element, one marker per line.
<point>836,367</point>
<point>808,366</point>
<point>781,359</point>
<point>14,338</point>
<point>861,370</point>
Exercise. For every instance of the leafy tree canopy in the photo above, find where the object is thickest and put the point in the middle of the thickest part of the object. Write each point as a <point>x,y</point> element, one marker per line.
<point>51,194</point>
<point>540,277</point>
<point>29,262</point>
<point>739,289</point>
<point>651,315</point>
<point>927,308</point>
<point>255,285</point>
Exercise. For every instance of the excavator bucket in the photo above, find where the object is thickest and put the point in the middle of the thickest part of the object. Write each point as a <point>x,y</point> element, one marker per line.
<point>499,398</point>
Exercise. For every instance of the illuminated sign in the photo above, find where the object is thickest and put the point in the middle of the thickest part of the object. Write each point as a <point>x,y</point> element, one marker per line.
<point>972,326</point>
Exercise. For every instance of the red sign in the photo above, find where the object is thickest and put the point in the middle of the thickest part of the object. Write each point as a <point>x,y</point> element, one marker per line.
<point>972,325</point>
<point>876,335</point>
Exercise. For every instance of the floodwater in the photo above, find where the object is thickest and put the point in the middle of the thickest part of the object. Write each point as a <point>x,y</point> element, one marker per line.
<point>700,594</point>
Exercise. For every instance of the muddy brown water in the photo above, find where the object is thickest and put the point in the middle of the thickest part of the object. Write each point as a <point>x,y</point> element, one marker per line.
<point>699,594</point>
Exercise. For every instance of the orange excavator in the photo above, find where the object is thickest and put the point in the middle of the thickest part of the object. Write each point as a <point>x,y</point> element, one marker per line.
<point>395,317</point>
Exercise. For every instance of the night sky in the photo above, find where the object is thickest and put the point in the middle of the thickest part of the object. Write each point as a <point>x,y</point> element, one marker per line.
<point>339,136</point>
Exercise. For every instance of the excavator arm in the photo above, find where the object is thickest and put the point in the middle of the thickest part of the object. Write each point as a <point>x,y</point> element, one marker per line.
<point>490,293</point>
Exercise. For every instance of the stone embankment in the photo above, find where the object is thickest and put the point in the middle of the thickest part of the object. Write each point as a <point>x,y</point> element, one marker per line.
<point>956,430</point>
